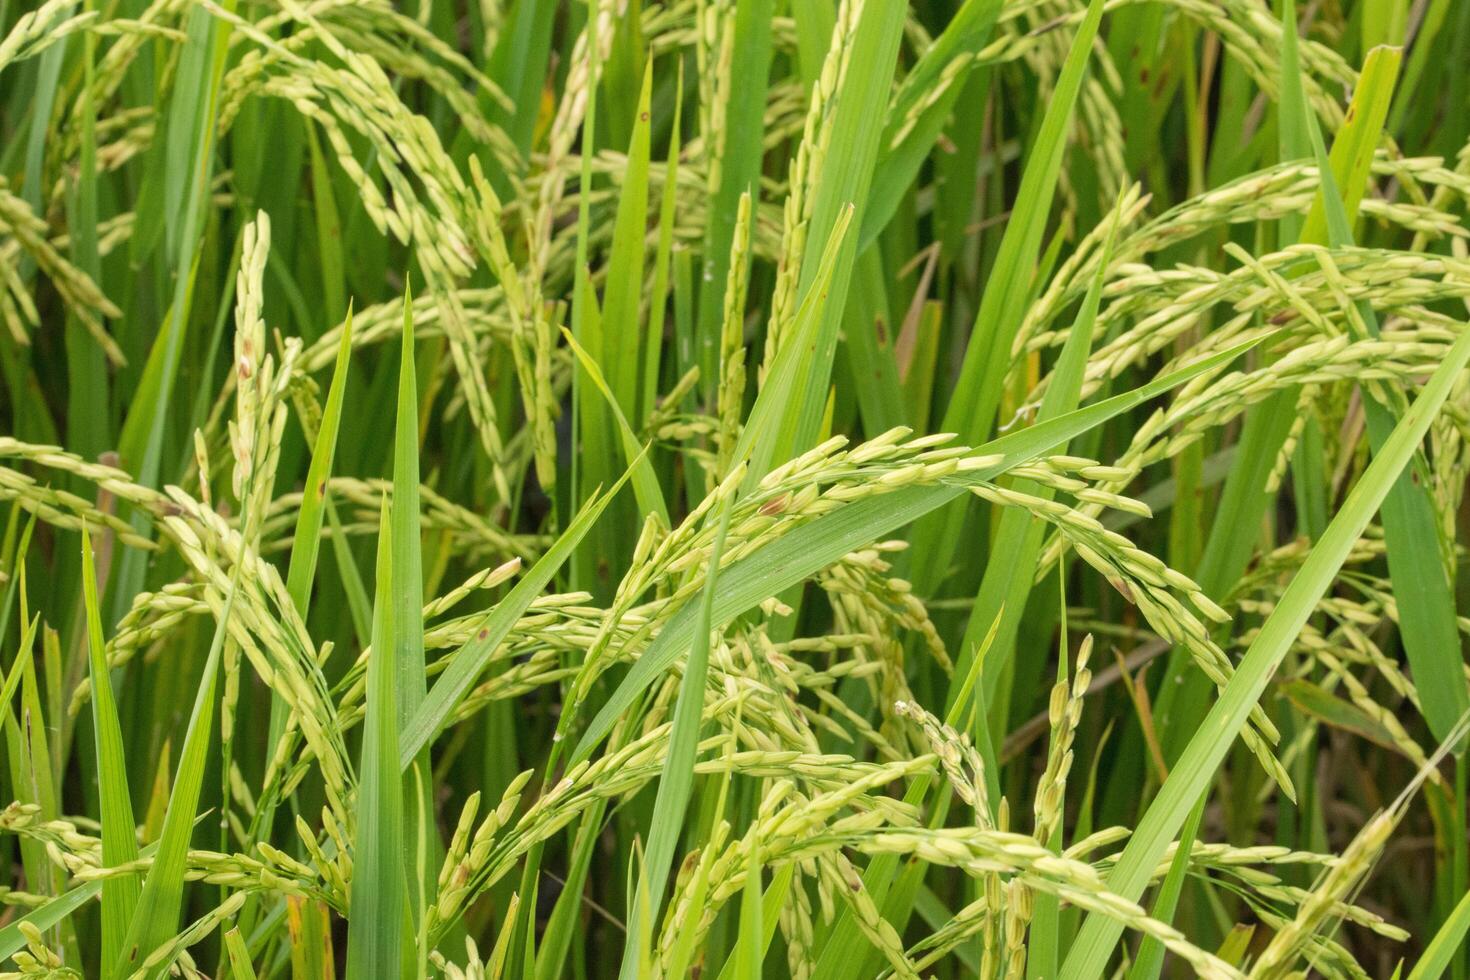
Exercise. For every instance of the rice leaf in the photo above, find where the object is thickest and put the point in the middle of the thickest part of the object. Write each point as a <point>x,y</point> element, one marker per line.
<point>622,338</point>
<point>677,780</point>
<point>306,539</point>
<point>977,392</point>
<point>240,965</point>
<point>378,909</point>
<point>1446,943</point>
<point>466,664</point>
<point>155,918</point>
<point>119,831</point>
<point>845,179</point>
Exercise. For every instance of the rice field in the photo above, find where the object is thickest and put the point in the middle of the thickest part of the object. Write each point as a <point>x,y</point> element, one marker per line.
<point>812,489</point>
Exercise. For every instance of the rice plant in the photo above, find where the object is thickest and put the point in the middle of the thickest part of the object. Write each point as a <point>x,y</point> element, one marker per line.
<point>824,489</point>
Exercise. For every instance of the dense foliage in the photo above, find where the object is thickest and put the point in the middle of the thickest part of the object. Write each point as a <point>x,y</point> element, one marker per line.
<point>734,488</point>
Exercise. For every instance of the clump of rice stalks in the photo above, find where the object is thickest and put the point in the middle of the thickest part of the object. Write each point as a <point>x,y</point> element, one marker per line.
<point>734,488</point>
